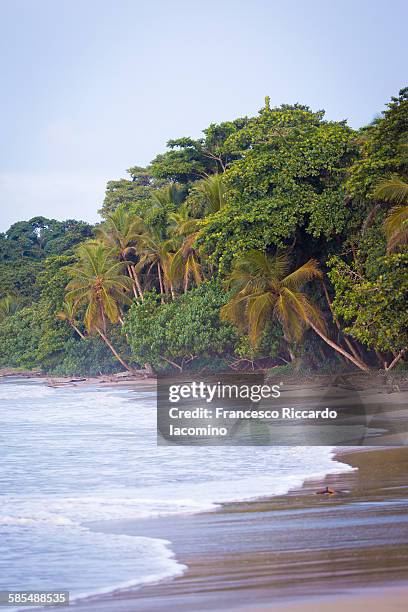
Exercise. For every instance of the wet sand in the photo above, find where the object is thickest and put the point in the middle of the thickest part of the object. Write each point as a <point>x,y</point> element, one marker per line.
<point>385,599</point>
<point>300,551</point>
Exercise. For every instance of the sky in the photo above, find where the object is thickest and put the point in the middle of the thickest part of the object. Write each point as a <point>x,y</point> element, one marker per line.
<point>90,88</point>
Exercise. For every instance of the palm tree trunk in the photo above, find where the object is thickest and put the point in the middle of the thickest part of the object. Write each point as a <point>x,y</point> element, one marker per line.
<point>346,340</point>
<point>137,281</point>
<point>112,348</point>
<point>339,349</point>
<point>78,331</point>
<point>134,286</point>
<point>160,282</point>
<point>137,288</point>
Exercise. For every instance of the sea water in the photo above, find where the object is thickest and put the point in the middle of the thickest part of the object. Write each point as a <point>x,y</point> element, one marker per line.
<point>69,456</point>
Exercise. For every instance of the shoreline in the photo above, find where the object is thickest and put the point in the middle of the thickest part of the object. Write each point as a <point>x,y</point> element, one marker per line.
<point>262,550</point>
<point>296,551</point>
<point>105,380</point>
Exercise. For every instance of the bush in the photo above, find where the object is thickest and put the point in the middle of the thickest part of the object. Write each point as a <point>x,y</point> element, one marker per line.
<point>171,335</point>
<point>89,357</point>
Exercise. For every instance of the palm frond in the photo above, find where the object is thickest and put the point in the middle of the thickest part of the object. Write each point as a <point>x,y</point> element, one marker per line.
<point>235,312</point>
<point>393,190</point>
<point>293,325</point>
<point>262,288</point>
<point>396,227</point>
<point>259,309</point>
<point>213,191</point>
<point>298,278</point>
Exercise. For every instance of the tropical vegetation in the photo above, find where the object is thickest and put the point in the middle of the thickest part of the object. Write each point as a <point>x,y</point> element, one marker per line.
<point>274,239</point>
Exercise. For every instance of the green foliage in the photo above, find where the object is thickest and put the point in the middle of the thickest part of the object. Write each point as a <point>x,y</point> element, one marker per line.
<point>32,337</point>
<point>19,278</point>
<point>263,289</point>
<point>384,150</point>
<point>175,332</point>
<point>189,160</point>
<point>271,343</point>
<point>288,180</point>
<point>25,247</point>
<point>9,305</point>
<point>374,307</point>
<point>39,238</point>
<point>126,193</point>
<point>216,207</point>
<point>89,357</point>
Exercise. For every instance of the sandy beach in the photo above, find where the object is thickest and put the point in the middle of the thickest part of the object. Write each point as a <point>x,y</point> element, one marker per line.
<point>300,551</point>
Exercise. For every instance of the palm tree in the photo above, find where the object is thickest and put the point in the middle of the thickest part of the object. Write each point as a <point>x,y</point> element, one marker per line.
<point>191,263</point>
<point>213,192</point>
<point>186,260</point>
<point>99,282</point>
<point>120,232</point>
<point>263,287</point>
<point>67,314</point>
<point>154,252</point>
<point>9,304</point>
<point>395,191</point>
<point>168,197</point>
<point>180,222</point>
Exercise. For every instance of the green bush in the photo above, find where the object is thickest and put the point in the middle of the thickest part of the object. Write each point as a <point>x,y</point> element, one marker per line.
<point>170,335</point>
<point>89,357</point>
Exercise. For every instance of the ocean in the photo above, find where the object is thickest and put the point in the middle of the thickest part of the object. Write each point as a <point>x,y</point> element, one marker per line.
<point>71,456</point>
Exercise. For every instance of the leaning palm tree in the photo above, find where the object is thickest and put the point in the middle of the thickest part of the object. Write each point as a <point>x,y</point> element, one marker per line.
<point>68,314</point>
<point>395,191</point>
<point>120,232</point>
<point>213,192</point>
<point>98,281</point>
<point>263,288</point>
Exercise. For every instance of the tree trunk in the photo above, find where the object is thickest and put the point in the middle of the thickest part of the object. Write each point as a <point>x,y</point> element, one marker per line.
<point>135,277</point>
<point>394,361</point>
<point>381,360</point>
<point>78,331</point>
<point>134,286</point>
<point>160,282</point>
<point>112,348</point>
<point>339,349</point>
<point>138,285</point>
<point>346,340</point>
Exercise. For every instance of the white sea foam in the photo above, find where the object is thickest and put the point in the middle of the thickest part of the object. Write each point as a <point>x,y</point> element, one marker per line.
<point>70,457</point>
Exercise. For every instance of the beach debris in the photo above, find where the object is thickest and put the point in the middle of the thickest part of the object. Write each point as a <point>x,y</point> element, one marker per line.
<point>326,491</point>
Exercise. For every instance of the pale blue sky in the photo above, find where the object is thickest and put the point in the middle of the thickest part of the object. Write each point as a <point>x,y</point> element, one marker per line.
<point>92,87</point>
